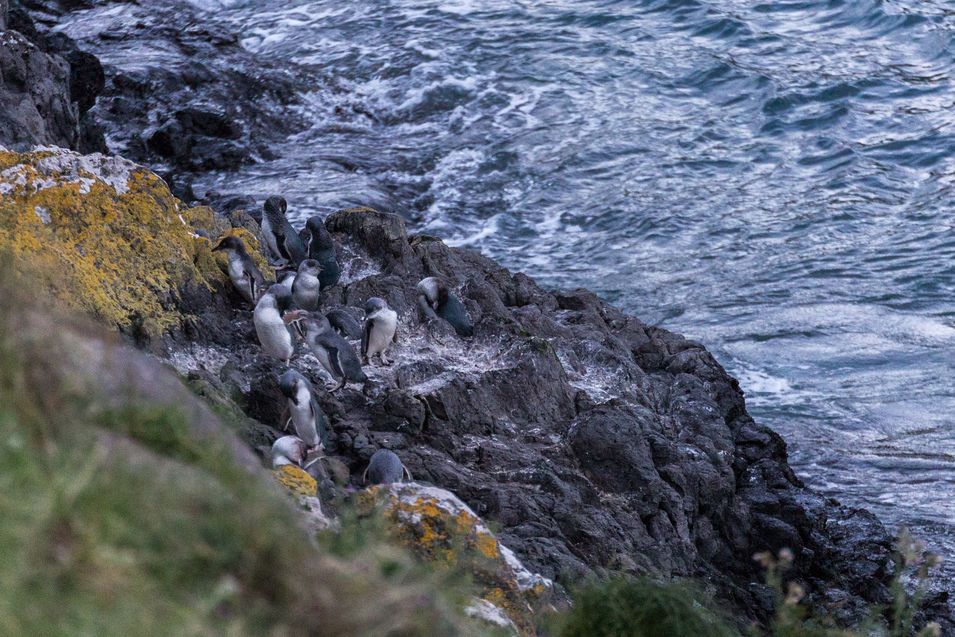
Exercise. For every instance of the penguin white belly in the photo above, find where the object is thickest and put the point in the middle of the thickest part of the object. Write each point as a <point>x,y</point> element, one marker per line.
<point>383,331</point>
<point>239,279</point>
<point>302,417</point>
<point>273,335</point>
<point>322,355</point>
<point>307,292</point>
<point>270,237</point>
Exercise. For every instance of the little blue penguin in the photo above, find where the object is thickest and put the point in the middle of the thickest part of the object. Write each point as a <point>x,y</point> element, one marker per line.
<point>246,278</point>
<point>288,450</point>
<point>435,300</point>
<point>320,246</point>
<point>280,237</point>
<point>381,330</point>
<point>332,351</point>
<point>344,323</point>
<point>271,328</point>
<point>304,413</point>
<point>306,289</point>
<point>385,467</point>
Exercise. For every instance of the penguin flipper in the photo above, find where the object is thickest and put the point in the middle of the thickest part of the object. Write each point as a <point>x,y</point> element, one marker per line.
<point>251,279</point>
<point>318,417</point>
<point>366,336</point>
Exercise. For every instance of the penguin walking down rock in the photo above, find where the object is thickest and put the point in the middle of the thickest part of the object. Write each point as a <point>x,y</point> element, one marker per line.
<point>282,240</point>
<point>344,323</point>
<point>245,276</point>
<point>288,450</point>
<point>332,351</point>
<point>381,330</point>
<point>306,288</point>
<point>304,413</point>
<point>385,467</point>
<point>435,300</point>
<point>320,246</point>
<point>270,326</point>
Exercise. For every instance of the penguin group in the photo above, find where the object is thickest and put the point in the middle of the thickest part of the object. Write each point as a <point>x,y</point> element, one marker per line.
<point>287,311</point>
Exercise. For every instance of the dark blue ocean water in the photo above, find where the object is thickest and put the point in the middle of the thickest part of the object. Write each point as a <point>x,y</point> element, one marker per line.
<point>775,179</point>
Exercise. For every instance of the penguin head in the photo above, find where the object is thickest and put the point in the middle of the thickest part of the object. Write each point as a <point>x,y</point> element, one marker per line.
<point>289,450</point>
<point>276,206</point>
<point>435,290</point>
<point>289,383</point>
<point>374,304</point>
<point>282,296</point>
<point>230,243</point>
<point>310,267</point>
<point>318,236</point>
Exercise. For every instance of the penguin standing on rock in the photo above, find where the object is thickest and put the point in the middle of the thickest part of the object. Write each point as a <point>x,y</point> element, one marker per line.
<point>288,450</point>
<point>303,411</point>
<point>282,240</point>
<point>435,300</point>
<point>306,289</point>
<point>381,330</point>
<point>270,327</point>
<point>246,278</point>
<point>385,467</point>
<point>320,246</point>
<point>332,351</point>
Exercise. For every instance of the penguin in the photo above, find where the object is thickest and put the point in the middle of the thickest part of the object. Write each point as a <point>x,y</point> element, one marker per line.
<point>381,330</point>
<point>320,246</point>
<point>385,467</point>
<point>304,413</point>
<point>246,278</point>
<point>281,239</point>
<point>306,289</point>
<point>270,327</point>
<point>288,450</point>
<point>435,300</point>
<point>333,352</point>
<point>344,323</point>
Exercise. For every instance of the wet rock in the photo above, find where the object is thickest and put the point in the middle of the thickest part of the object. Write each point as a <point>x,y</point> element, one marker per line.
<point>161,115</point>
<point>35,105</point>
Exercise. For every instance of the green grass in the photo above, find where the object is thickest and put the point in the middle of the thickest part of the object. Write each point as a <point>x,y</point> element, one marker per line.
<point>641,608</point>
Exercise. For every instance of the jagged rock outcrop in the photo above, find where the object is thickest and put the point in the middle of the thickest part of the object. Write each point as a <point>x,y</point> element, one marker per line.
<point>597,444</point>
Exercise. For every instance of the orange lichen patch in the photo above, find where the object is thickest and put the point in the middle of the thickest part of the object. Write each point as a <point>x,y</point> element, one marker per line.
<point>103,235</point>
<point>296,480</point>
<point>438,527</point>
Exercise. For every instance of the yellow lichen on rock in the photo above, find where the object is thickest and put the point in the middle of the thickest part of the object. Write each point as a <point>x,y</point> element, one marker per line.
<point>296,480</point>
<point>102,234</point>
<point>440,528</point>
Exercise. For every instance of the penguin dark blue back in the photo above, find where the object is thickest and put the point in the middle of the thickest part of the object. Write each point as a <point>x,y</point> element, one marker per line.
<point>279,235</point>
<point>321,247</point>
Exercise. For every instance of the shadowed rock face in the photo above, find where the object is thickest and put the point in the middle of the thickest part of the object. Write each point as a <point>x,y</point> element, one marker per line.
<point>180,114</point>
<point>35,106</point>
<point>596,442</point>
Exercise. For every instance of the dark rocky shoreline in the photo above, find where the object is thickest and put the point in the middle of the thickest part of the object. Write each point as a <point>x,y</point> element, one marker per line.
<point>598,444</point>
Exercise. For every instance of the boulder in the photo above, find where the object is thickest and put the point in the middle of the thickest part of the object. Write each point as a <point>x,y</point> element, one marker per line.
<point>440,528</point>
<point>107,237</point>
